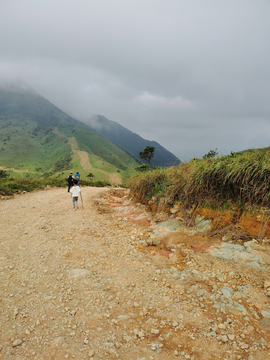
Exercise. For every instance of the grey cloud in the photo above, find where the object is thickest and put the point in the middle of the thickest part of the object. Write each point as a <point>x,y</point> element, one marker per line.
<point>190,75</point>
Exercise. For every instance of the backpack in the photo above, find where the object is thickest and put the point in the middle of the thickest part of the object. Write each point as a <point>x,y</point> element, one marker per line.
<point>70,179</point>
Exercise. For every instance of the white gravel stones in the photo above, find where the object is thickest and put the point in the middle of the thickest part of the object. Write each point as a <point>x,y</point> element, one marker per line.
<point>224,338</point>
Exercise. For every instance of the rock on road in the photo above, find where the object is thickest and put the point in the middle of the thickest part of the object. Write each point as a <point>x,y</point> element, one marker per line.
<point>73,284</point>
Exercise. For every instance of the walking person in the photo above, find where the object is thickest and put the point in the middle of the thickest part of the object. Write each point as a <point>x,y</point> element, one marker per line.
<point>70,180</point>
<point>77,177</point>
<point>75,191</point>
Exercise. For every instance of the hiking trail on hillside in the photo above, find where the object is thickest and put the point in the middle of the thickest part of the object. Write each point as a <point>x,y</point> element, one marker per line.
<point>112,281</point>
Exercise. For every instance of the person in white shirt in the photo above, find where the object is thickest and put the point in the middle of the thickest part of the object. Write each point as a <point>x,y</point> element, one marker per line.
<point>75,190</point>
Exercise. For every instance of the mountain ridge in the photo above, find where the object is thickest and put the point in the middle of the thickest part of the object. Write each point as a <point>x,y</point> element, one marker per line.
<point>130,141</point>
<point>36,135</point>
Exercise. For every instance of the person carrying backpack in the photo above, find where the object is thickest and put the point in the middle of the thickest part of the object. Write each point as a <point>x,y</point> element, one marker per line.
<point>77,177</point>
<point>70,180</point>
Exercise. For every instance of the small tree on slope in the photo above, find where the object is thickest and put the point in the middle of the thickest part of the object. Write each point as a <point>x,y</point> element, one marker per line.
<point>147,154</point>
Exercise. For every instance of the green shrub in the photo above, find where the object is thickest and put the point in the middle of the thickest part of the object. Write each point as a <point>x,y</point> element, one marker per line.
<point>238,177</point>
<point>3,174</point>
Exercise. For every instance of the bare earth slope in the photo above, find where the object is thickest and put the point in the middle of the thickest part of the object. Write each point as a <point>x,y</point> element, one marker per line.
<point>78,284</point>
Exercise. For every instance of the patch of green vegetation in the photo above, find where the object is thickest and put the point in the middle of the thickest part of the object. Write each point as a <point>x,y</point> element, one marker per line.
<point>4,174</point>
<point>62,164</point>
<point>150,183</point>
<point>99,147</point>
<point>12,185</point>
<point>239,178</point>
<point>34,135</point>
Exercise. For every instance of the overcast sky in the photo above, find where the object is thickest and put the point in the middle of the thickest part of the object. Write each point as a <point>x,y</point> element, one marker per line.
<point>193,75</point>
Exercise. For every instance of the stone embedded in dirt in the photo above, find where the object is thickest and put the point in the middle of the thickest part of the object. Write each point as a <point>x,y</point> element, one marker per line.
<point>175,209</point>
<point>155,240</point>
<point>227,292</point>
<point>267,288</point>
<point>91,353</point>
<point>221,326</point>
<point>77,273</point>
<point>265,314</point>
<point>17,342</point>
<point>224,338</point>
<point>237,253</point>
<point>259,306</point>
<point>202,225</point>
<point>249,244</point>
<point>171,224</point>
<point>142,242</point>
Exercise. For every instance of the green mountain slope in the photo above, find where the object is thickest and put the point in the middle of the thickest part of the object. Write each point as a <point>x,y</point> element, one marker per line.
<point>130,141</point>
<point>37,136</point>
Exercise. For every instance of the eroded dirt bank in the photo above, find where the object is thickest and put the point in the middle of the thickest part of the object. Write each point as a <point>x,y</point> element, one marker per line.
<point>89,284</point>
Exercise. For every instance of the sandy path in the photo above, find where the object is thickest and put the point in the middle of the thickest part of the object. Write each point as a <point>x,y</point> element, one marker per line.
<point>61,280</point>
<point>84,157</point>
<point>75,285</point>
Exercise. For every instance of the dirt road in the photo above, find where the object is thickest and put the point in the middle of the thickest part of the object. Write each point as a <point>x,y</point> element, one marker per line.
<point>80,284</point>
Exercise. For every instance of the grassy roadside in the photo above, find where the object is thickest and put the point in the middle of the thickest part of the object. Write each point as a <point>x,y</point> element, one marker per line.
<point>241,179</point>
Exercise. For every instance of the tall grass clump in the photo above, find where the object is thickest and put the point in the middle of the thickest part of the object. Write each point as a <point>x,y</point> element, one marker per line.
<point>239,177</point>
<point>151,183</point>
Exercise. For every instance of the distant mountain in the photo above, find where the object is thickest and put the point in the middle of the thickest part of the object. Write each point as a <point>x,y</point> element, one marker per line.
<point>38,137</point>
<point>130,141</point>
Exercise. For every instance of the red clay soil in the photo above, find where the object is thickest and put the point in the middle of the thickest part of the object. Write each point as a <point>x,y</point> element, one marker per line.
<point>197,242</point>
